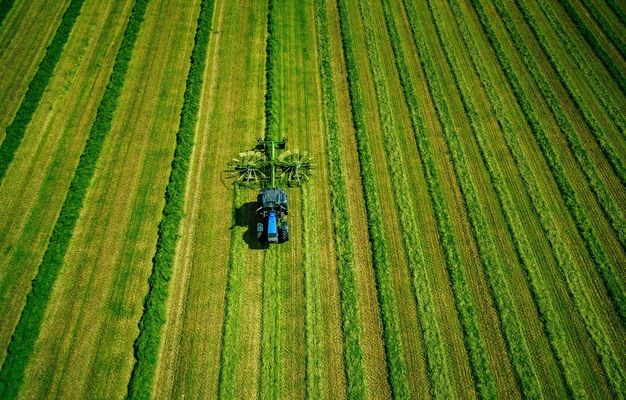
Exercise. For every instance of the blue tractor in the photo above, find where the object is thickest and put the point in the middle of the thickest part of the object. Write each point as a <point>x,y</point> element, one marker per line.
<point>267,166</point>
<point>273,209</point>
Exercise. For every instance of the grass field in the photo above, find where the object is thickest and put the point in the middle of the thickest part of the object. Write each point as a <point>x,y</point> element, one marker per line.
<point>463,234</point>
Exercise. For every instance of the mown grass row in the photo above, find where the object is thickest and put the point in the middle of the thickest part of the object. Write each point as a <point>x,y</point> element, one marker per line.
<point>616,7</point>
<point>17,128</point>
<point>606,27</point>
<point>272,71</point>
<point>271,330</point>
<point>598,48</point>
<point>438,372</point>
<point>350,314</point>
<point>473,341</point>
<point>575,95</point>
<point>5,7</point>
<point>313,315</point>
<point>610,208</point>
<point>229,354</point>
<point>585,65</point>
<point>518,348</point>
<point>154,314</point>
<point>23,340</point>
<point>396,363</point>
<point>575,283</point>
<point>575,208</point>
<point>515,228</point>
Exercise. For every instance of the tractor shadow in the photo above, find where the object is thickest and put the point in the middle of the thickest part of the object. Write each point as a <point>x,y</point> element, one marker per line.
<point>245,216</point>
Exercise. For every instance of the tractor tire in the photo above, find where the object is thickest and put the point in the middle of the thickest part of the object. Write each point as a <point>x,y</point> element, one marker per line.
<point>284,233</point>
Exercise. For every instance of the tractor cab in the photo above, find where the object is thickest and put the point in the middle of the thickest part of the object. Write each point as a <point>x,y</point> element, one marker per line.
<point>272,206</point>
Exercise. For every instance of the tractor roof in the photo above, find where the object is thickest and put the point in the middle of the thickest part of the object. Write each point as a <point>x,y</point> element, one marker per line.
<point>273,196</point>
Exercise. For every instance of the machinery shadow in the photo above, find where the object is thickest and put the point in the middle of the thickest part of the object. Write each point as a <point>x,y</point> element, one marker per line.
<point>245,216</point>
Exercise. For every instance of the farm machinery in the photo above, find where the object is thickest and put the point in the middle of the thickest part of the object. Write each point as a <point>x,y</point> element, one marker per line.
<point>267,167</point>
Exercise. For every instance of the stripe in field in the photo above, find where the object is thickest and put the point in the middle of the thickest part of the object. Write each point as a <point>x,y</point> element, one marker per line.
<point>23,340</point>
<point>233,306</point>
<point>17,128</point>
<point>396,362</point>
<point>350,314</point>
<point>575,281</point>
<point>153,318</point>
<point>5,7</point>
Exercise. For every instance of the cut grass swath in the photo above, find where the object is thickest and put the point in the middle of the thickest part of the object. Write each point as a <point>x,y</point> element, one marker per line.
<point>585,65</point>
<point>575,208</point>
<point>616,7</point>
<point>512,326</point>
<point>597,47</point>
<point>514,225</point>
<point>17,128</point>
<point>271,329</point>
<point>351,320</point>
<point>27,329</point>
<point>572,276</point>
<point>380,251</point>
<point>232,306</point>
<point>610,208</point>
<point>153,318</point>
<point>575,95</point>
<point>439,374</point>
<point>473,340</point>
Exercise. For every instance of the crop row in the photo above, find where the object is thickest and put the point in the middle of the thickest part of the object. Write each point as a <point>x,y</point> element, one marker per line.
<point>232,307</point>
<point>271,380</point>
<point>153,318</point>
<point>271,76</point>
<point>597,184</point>
<point>572,276</point>
<point>523,247</point>
<point>17,128</point>
<point>572,203</point>
<point>616,7</point>
<point>515,229</point>
<point>606,27</point>
<point>379,244</point>
<point>585,65</point>
<point>613,69</point>
<point>575,95</point>
<point>473,340</point>
<point>510,321</point>
<point>351,320</point>
<point>26,332</point>
<point>439,374</point>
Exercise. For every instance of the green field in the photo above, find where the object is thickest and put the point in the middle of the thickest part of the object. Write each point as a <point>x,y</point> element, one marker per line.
<point>463,234</point>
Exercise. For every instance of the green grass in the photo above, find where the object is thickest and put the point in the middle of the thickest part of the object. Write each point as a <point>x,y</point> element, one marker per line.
<point>351,320</point>
<point>26,332</point>
<point>153,318</point>
<point>17,128</point>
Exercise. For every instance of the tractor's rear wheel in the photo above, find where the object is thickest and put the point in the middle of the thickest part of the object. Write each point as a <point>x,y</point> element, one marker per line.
<point>284,233</point>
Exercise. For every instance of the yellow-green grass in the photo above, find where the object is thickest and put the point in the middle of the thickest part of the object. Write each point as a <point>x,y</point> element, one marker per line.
<point>130,179</point>
<point>574,76</point>
<point>24,36</point>
<point>538,168</point>
<point>584,132</point>
<point>300,122</point>
<point>598,326</point>
<point>231,119</point>
<point>37,180</point>
<point>372,346</point>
